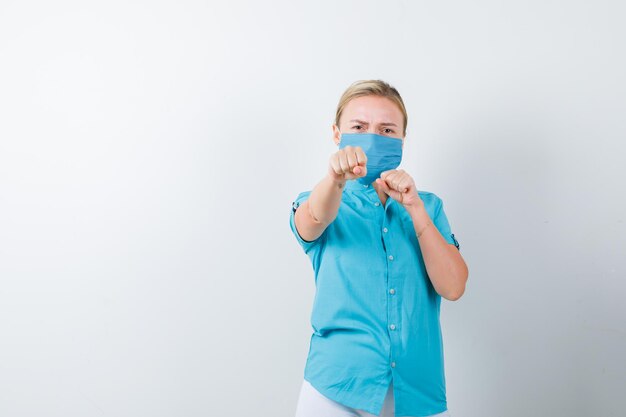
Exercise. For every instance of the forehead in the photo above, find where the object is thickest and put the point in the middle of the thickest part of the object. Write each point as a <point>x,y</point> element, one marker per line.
<point>372,109</point>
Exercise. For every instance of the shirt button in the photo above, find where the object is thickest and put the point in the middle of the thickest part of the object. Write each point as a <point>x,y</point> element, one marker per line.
<point>392,291</point>
<point>391,257</point>
<point>377,204</point>
<point>393,364</point>
<point>392,326</point>
<point>385,229</point>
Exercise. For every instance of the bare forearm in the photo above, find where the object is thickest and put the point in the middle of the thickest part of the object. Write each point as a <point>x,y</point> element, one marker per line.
<point>445,265</point>
<point>325,199</point>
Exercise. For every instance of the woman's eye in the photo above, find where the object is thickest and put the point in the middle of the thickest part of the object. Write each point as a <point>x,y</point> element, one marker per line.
<point>387,130</point>
<point>356,127</point>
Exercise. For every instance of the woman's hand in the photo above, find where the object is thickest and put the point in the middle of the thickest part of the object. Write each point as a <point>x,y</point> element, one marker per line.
<point>399,185</point>
<point>347,164</point>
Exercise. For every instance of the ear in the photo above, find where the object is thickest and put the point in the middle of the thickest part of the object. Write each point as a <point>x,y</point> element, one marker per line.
<point>336,135</point>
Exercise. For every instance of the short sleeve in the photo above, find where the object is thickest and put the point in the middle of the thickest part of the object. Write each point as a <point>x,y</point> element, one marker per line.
<point>307,246</point>
<point>441,222</point>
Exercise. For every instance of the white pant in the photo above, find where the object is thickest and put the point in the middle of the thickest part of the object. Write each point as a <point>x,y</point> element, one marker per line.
<point>312,403</point>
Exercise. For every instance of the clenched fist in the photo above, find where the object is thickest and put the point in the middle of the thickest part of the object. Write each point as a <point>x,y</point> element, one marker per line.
<point>400,186</point>
<point>347,163</point>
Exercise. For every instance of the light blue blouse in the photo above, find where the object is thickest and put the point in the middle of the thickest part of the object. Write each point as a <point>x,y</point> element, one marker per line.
<point>375,313</point>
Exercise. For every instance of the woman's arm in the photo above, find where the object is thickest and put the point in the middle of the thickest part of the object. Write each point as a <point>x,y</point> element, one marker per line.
<point>445,265</point>
<point>321,208</point>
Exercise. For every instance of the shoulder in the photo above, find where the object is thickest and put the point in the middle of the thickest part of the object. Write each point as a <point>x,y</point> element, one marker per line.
<point>300,198</point>
<point>429,198</point>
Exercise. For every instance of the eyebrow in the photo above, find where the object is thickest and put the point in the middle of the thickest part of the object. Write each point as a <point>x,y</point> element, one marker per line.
<point>365,123</point>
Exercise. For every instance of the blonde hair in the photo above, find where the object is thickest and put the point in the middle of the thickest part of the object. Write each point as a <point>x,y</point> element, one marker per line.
<point>371,87</point>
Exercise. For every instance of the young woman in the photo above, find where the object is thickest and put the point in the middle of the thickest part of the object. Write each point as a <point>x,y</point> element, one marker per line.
<point>383,255</point>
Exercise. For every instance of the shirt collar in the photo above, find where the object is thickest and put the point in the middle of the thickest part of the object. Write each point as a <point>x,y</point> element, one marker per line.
<point>355,185</point>
<point>368,190</point>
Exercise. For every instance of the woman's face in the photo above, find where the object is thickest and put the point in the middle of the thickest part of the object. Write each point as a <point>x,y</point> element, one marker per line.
<point>370,114</point>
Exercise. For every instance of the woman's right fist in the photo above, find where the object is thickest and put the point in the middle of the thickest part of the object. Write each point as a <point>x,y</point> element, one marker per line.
<point>347,163</point>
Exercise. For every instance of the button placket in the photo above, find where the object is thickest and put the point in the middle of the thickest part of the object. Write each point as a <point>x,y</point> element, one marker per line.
<point>392,294</point>
<point>393,300</point>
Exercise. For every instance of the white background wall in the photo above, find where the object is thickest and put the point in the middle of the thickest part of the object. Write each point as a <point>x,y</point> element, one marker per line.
<point>150,152</point>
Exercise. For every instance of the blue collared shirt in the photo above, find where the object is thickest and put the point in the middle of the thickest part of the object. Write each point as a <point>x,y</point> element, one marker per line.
<point>375,313</point>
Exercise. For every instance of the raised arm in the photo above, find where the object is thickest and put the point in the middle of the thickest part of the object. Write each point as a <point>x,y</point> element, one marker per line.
<point>320,209</point>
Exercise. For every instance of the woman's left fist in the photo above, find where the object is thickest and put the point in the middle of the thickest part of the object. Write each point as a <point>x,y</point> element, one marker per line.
<point>399,185</point>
